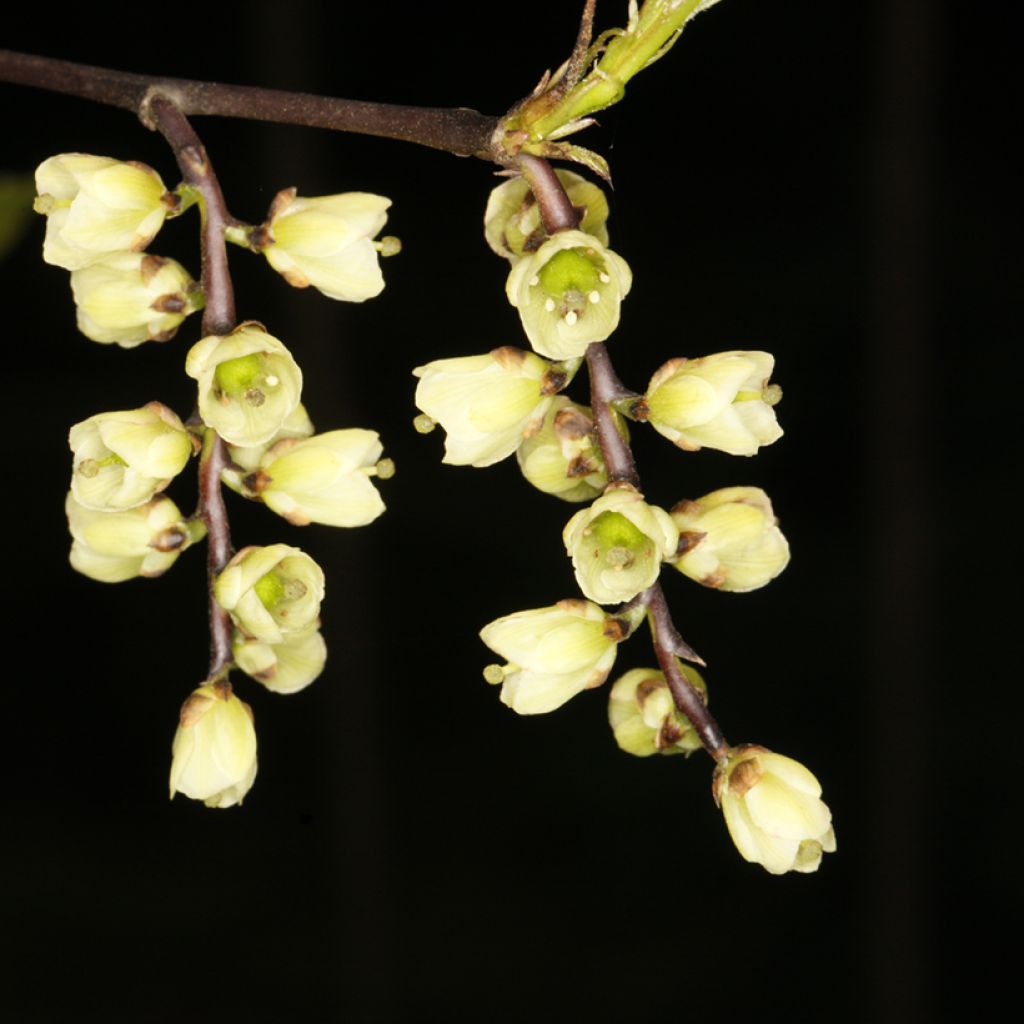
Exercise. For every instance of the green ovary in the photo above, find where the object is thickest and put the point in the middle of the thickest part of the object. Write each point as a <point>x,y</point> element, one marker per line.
<point>570,270</point>
<point>617,539</point>
<point>270,589</point>
<point>234,376</point>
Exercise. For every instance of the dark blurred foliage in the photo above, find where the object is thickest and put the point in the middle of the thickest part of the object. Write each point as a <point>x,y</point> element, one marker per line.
<point>829,182</point>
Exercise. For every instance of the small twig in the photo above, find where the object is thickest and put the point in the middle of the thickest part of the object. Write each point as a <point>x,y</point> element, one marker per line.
<point>555,206</point>
<point>219,312</point>
<point>218,318</point>
<point>668,644</point>
<point>605,388</point>
<point>456,130</point>
<point>218,546</point>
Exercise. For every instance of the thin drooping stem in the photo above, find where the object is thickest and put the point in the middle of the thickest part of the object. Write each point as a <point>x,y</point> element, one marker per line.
<point>196,169</point>
<point>555,206</point>
<point>605,388</point>
<point>557,212</point>
<point>218,546</point>
<point>667,644</point>
<point>456,130</point>
<point>218,318</point>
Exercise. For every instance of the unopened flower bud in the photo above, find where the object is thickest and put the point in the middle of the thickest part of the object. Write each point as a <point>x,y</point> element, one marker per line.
<point>644,717</point>
<point>116,546</point>
<point>326,242</point>
<point>214,749</point>
<point>512,221</point>
<point>127,298</point>
<point>730,539</point>
<point>617,545</point>
<point>552,653</point>
<point>286,667</point>
<point>271,592</point>
<point>321,479</point>
<point>487,404</point>
<point>249,384</point>
<point>564,458</point>
<point>773,809</point>
<point>568,293</point>
<point>96,205</point>
<point>722,401</point>
<point>123,458</point>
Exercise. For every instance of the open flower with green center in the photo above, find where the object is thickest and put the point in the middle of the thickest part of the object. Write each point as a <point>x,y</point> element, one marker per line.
<point>271,592</point>
<point>121,459</point>
<point>286,667</point>
<point>569,293</point>
<point>321,479</point>
<point>730,539</point>
<point>564,458</point>
<point>644,717</point>
<point>618,544</point>
<point>95,205</point>
<point>512,222</point>
<point>722,401</point>
<point>487,404</point>
<point>326,242</point>
<point>773,809</point>
<point>213,756</point>
<point>249,384</point>
<point>127,298</point>
<point>552,653</point>
<point>115,546</point>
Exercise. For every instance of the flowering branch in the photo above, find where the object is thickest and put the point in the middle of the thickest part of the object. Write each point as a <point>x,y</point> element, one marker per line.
<point>558,214</point>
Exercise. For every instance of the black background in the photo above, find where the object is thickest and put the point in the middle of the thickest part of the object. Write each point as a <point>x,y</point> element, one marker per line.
<point>829,182</point>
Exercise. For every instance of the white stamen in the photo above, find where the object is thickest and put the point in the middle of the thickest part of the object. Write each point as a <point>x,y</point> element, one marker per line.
<point>571,317</point>
<point>534,281</point>
<point>595,296</point>
<point>549,305</point>
<point>604,277</point>
<point>271,380</point>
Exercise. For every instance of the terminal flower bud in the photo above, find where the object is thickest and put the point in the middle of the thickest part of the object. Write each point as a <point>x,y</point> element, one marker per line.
<point>487,404</point>
<point>722,401</point>
<point>644,717</point>
<point>512,222</point>
<point>127,298</point>
<point>618,544</point>
<point>213,756</point>
<point>121,459</point>
<point>249,384</point>
<point>564,458</point>
<point>552,653</point>
<point>568,293</point>
<point>730,539</point>
<point>286,667</point>
<point>116,546</point>
<point>95,205</point>
<point>773,810</point>
<point>321,479</point>
<point>271,592</point>
<point>325,241</point>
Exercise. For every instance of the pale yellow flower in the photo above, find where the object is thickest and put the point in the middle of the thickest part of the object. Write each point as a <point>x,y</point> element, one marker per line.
<point>214,749</point>
<point>568,293</point>
<point>552,653</point>
<point>326,242</point>
<point>617,545</point>
<point>773,809</point>
<point>96,205</point>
